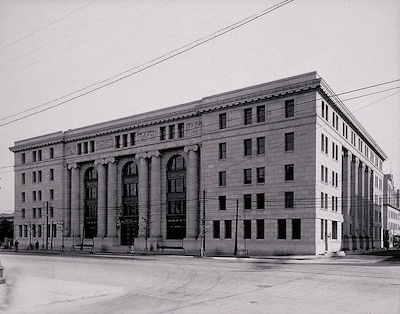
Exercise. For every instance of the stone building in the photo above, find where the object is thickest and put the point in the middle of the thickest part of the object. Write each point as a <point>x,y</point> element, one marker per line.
<point>277,168</point>
<point>391,210</point>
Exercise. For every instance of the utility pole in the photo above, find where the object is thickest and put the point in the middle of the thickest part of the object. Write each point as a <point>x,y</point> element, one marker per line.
<point>236,230</point>
<point>47,225</point>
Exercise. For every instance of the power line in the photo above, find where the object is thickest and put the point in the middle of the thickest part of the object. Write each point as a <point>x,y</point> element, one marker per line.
<point>45,26</point>
<point>137,69</point>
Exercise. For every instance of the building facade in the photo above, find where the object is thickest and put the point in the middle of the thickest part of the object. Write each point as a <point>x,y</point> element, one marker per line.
<point>391,210</point>
<point>276,168</point>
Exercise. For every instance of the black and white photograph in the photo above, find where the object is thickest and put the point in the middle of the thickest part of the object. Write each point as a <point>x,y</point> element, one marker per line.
<point>176,156</point>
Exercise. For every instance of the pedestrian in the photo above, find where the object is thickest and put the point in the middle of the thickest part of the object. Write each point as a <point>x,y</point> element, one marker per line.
<point>16,245</point>
<point>37,245</point>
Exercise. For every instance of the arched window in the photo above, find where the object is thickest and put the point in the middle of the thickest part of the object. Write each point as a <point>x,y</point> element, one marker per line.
<point>176,198</point>
<point>90,219</point>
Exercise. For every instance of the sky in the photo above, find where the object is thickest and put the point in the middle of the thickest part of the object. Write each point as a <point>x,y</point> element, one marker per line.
<point>51,51</point>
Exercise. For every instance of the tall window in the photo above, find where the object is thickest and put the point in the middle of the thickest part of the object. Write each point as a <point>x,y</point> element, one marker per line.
<point>289,141</point>
<point>289,108</point>
<point>334,230</point>
<point>163,133</point>
<point>261,175</point>
<point>281,228</point>
<point>51,174</point>
<point>247,116</point>
<point>289,199</point>
<point>222,151</point>
<point>176,198</point>
<point>228,229</point>
<point>247,229</point>
<point>51,152</point>
<point>23,158</point>
<point>289,172</point>
<point>222,178</point>
<point>181,130</point>
<point>247,176</point>
<point>172,131</point>
<point>261,113</point>
<point>23,213</point>
<point>222,121</point>
<point>222,202</point>
<point>260,228</point>
<point>296,228</point>
<point>260,145</point>
<point>247,147</point>
<point>90,217</point>
<point>23,178</point>
<point>260,200</point>
<point>247,201</point>
<point>216,229</point>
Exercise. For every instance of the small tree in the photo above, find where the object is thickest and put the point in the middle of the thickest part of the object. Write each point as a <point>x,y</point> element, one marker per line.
<point>144,228</point>
<point>30,224</point>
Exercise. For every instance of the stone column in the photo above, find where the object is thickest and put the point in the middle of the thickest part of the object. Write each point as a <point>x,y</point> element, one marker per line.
<point>155,194</point>
<point>67,211</point>
<point>143,189</point>
<point>192,194</point>
<point>75,215</point>
<point>354,195</point>
<point>367,196</point>
<point>112,198</point>
<point>360,208</point>
<point>101,198</point>
<point>346,188</point>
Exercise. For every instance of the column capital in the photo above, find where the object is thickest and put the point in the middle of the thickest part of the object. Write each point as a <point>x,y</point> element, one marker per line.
<point>356,159</point>
<point>193,147</point>
<point>368,170</point>
<point>348,154</point>
<point>110,160</point>
<point>141,155</point>
<point>99,162</point>
<point>362,165</point>
<point>155,153</point>
<point>72,166</point>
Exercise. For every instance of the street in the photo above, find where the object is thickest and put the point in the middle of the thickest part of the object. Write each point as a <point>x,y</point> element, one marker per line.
<point>83,283</point>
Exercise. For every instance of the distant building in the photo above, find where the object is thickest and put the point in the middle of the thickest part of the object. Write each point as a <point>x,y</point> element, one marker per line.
<point>285,161</point>
<point>391,209</point>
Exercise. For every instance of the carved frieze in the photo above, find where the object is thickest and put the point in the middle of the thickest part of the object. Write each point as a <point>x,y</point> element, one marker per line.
<point>149,135</point>
<point>104,143</point>
<point>193,128</point>
<point>70,149</point>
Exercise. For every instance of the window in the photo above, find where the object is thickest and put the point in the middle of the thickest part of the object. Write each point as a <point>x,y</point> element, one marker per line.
<point>23,158</point>
<point>324,174</point>
<point>222,150</point>
<point>23,196</point>
<point>247,116</point>
<point>34,196</point>
<point>261,113</point>
<point>39,212</point>
<point>162,133</point>
<point>222,202</point>
<point>23,213</point>
<point>247,229</point>
<point>324,143</point>
<point>92,148</point>
<point>79,146</point>
<point>289,141</point>
<point>25,231</point>
<point>334,229</point>
<point>51,152</point>
<point>222,178</point>
<point>39,155</point>
<point>247,147</point>
<point>34,156</point>
<point>34,212</point>
<point>23,178</point>
<point>39,176</point>
<point>117,141</point>
<point>281,228</point>
<point>216,229</point>
<point>172,131</point>
<point>51,174</point>
<point>51,212</point>
<point>260,145</point>
<point>296,229</point>
<point>54,230</point>
<point>39,195</point>
<point>289,199</point>
<point>261,175</point>
<point>34,176</point>
<point>228,229</point>
<point>289,108</point>
<point>260,201</point>
<point>181,130</point>
<point>322,229</point>
<point>222,121</point>
<point>133,138</point>
<point>289,172</point>
<point>125,140</point>
<point>322,199</point>
<point>260,228</point>
<point>247,176</point>
<point>51,194</point>
<point>247,201</point>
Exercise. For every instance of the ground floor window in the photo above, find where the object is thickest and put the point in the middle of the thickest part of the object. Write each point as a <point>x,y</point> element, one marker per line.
<point>176,228</point>
<point>228,229</point>
<point>334,229</point>
<point>260,229</point>
<point>247,229</point>
<point>296,228</point>
<point>216,229</point>
<point>281,228</point>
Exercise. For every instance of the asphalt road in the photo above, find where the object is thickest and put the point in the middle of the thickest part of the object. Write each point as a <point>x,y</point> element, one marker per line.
<point>179,284</point>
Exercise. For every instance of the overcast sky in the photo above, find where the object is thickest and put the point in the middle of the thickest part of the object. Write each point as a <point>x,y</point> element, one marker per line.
<point>50,49</point>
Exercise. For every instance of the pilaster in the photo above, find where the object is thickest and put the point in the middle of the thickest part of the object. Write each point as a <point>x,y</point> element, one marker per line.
<point>101,198</point>
<point>73,222</point>
<point>155,194</point>
<point>143,189</point>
